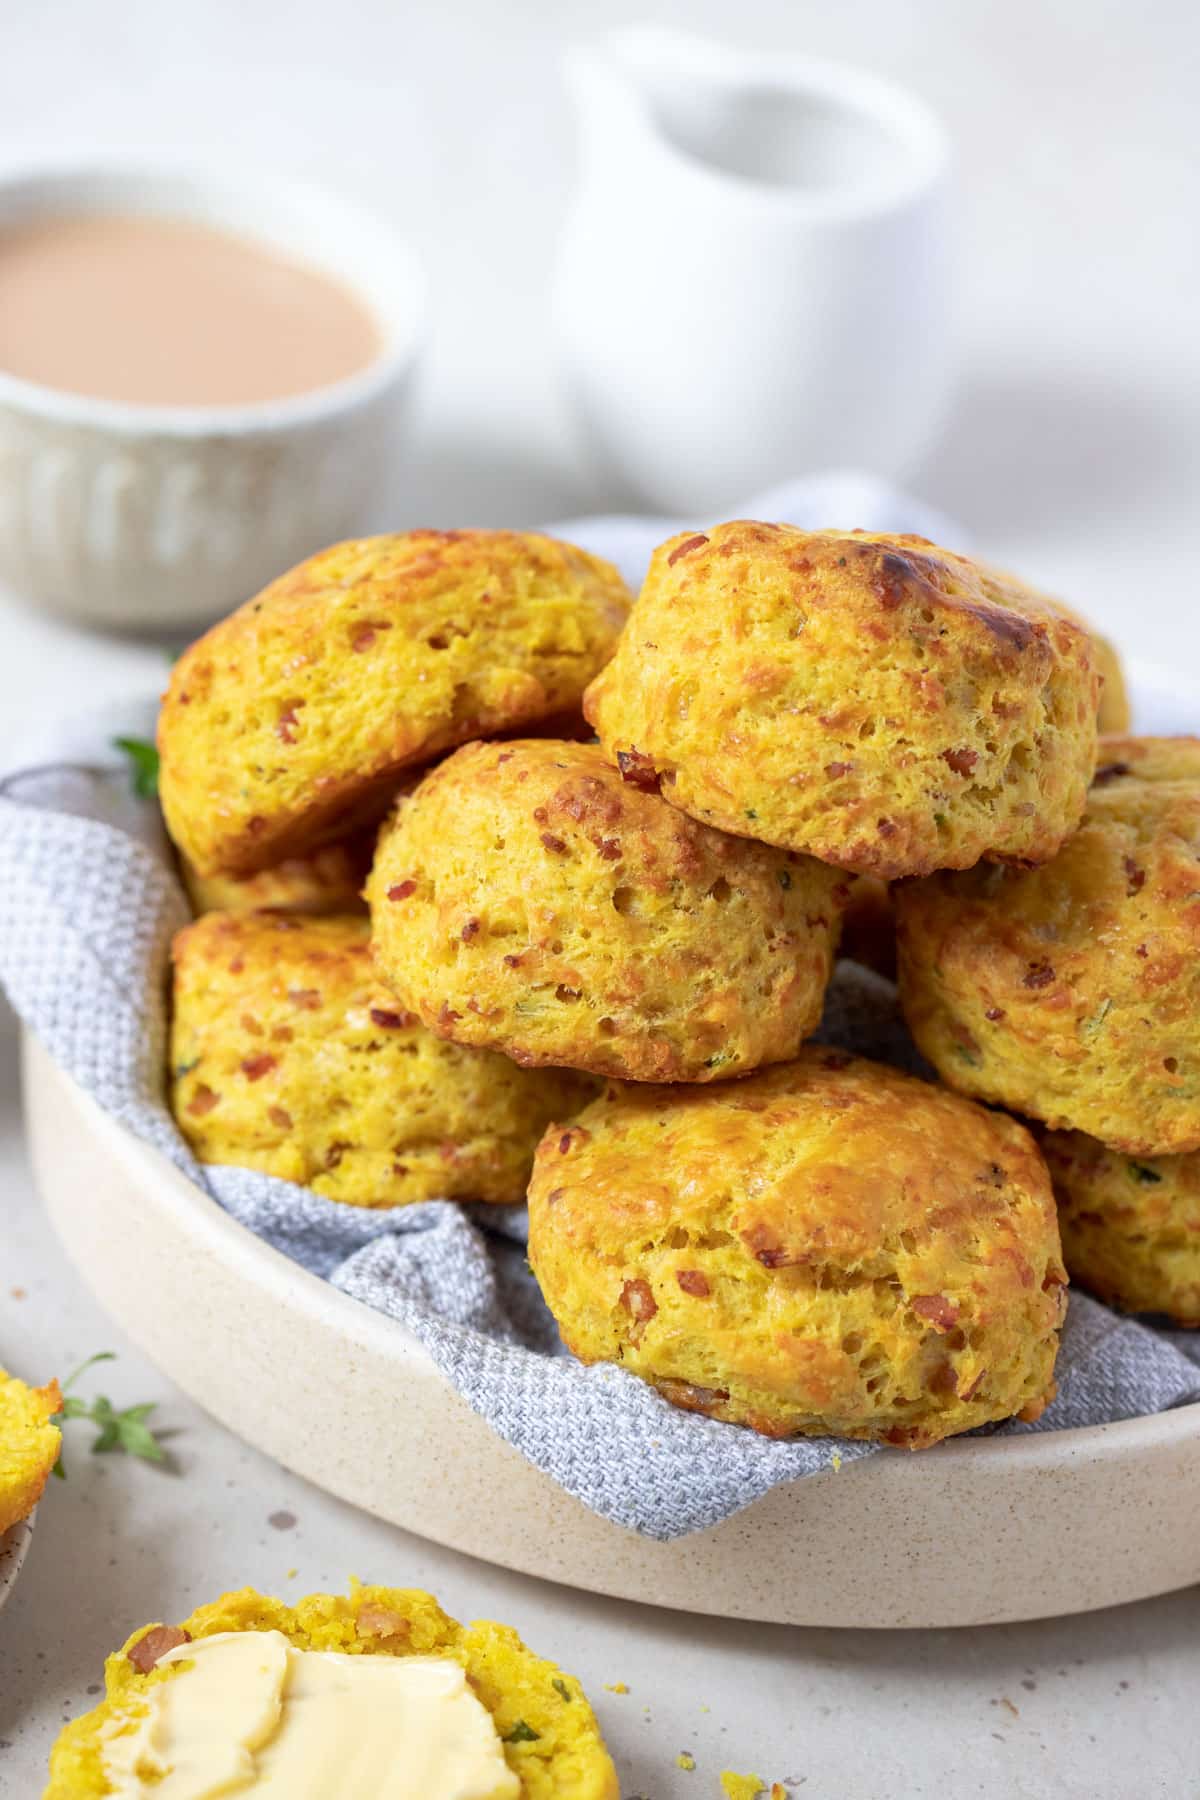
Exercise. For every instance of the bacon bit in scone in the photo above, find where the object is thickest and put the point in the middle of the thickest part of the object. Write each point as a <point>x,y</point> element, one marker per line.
<point>381,1622</point>
<point>256,825</point>
<point>972,1387</point>
<point>237,965</point>
<point>280,1116</point>
<point>399,1168</point>
<point>941,1313</point>
<point>564,1143</point>
<point>1038,975</point>
<point>686,547</point>
<point>469,930</point>
<point>562,992</point>
<point>391,1021</point>
<point>639,771</point>
<point>1109,772</point>
<point>994,1014</point>
<point>686,1393</point>
<point>886,828</point>
<point>554,1196</point>
<point>835,770</point>
<point>145,1654</point>
<point>513,962</point>
<point>1135,878</point>
<point>249,1023</point>
<point>308,998</point>
<point>694,1283</point>
<point>202,1101</point>
<point>282,1034</point>
<point>402,890</point>
<point>638,1301</point>
<point>364,635</point>
<point>285,725</point>
<point>255,1067</point>
<point>552,843</point>
<point>609,848</point>
<point>447,1015</point>
<point>961,761</point>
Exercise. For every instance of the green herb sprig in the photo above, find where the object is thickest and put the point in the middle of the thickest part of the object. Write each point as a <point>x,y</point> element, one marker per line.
<point>124,1429</point>
<point>143,765</point>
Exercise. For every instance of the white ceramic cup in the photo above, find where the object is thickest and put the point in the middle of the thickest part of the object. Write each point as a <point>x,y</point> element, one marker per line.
<point>753,278</point>
<point>162,516</point>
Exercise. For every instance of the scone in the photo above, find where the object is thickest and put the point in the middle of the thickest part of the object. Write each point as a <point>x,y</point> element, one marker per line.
<point>1130,1225</point>
<point>527,899</point>
<point>378,1694</point>
<point>288,1056</point>
<point>29,1445</point>
<point>875,701</point>
<point>328,880</point>
<point>827,1247</point>
<point>292,720</point>
<point>1072,992</point>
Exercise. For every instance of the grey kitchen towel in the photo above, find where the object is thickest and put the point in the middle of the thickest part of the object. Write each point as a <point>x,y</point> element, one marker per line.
<point>89,901</point>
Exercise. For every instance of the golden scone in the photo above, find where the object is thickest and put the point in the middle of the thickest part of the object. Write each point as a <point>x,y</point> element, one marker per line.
<point>1130,1225</point>
<point>550,1740</point>
<point>328,880</point>
<point>876,701</point>
<point>292,719</point>
<point>1072,992</point>
<point>527,899</point>
<point>869,926</point>
<point>288,1056</point>
<point>29,1445</point>
<point>827,1247</point>
<point>1113,714</point>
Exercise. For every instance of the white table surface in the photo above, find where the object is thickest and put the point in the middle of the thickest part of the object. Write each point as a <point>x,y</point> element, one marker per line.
<point>1074,455</point>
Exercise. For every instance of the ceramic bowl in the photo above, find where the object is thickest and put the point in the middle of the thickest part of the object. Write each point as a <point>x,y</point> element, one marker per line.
<point>14,1544</point>
<point>153,518</point>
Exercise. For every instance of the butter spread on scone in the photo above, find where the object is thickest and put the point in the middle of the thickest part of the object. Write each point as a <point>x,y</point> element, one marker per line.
<point>248,1712</point>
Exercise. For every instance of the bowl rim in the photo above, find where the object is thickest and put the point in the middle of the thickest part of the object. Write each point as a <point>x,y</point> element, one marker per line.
<point>264,209</point>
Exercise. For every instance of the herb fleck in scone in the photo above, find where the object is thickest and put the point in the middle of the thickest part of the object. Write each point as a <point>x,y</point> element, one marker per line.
<point>1072,992</point>
<point>289,1056</point>
<point>878,702</point>
<point>1130,1224</point>
<point>826,1247</point>
<point>528,899</point>
<point>313,1711</point>
<point>29,1445</point>
<point>292,720</point>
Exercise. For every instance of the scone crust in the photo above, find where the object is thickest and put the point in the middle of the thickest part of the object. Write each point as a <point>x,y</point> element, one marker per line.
<point>326,880</point>
<point>29,1445</point>
<point>1130,1225</point>
<point>528,899</point>
<point>826,1247</point>
<point>876,701</point>
<point>1071,993</point>
<point>291,721</point>
<point>289,1056</point>
<point>567,1757</point>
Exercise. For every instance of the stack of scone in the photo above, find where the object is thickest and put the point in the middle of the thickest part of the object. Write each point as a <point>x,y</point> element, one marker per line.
<point>612,953</point>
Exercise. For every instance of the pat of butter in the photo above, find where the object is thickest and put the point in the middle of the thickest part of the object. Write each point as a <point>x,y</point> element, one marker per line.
<point>252,1715</point>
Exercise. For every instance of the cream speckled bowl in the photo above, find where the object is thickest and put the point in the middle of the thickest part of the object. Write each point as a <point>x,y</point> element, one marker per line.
<point>14,1545</point>
<point>974,1532</point>
<point>157,517</point>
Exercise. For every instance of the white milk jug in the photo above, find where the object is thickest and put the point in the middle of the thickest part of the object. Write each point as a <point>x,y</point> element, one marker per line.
<point>752,282</point>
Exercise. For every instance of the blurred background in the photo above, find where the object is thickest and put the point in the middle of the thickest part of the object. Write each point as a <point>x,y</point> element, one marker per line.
<point>1071,449</point>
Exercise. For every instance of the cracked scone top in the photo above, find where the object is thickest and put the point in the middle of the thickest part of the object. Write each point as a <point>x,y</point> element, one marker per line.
<point>825,1247</point>
<point>527,899</point>
<point>288,1055</point>
<point>878,702</point>
<point>548,1736</point>
<point>292,720</point>
<point>1072,992</point>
